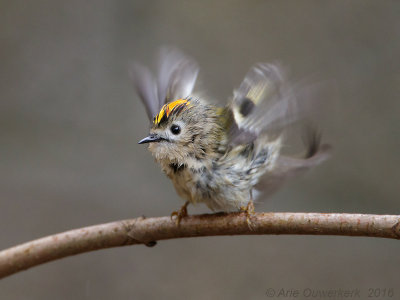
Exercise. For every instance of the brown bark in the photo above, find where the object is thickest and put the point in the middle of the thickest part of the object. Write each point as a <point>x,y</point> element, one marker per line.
<point>149,230</point>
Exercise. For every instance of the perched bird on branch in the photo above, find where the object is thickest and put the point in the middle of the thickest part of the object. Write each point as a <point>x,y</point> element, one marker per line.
<point>219,155</point>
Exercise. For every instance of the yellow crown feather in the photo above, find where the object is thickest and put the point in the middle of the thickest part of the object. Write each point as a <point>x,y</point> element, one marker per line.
<point>169,108</point>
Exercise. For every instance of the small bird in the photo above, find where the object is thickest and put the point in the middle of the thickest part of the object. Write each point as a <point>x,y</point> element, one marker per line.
<point>220,156</point>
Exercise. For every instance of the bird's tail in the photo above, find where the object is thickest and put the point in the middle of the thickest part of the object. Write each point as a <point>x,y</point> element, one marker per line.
<point>287,167</point>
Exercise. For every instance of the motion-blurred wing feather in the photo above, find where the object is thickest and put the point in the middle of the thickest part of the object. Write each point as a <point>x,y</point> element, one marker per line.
<point>177,74</point>
<point>263,101</point>
<point>146,89</point>
<point>176,78</point>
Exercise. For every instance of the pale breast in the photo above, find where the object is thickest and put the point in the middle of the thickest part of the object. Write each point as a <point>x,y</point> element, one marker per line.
<point>224,183</point>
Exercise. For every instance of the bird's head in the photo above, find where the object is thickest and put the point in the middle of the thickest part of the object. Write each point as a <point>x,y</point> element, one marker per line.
<point>183,128</point>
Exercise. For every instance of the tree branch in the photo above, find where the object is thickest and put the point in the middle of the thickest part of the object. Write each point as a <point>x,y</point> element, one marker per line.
<point>149,230</point>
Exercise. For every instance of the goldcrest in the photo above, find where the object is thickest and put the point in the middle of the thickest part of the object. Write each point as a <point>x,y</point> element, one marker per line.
<point>219,156</point>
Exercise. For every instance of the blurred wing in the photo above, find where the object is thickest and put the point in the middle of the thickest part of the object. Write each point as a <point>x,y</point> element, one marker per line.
<point>177,74</point>
<point>146,89</point>
<point>263,101</point>
<point>176,78</point>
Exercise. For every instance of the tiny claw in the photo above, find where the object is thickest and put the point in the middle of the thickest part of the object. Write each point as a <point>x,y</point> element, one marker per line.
<point>249,211</point>
<point>174,214</point>
<point>180,214</point>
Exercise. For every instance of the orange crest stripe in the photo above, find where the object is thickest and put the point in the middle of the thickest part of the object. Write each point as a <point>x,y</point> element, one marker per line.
<point>168,108</point>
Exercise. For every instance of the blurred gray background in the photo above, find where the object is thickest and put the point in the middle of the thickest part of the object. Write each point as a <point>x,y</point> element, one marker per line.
<point>70,123</point>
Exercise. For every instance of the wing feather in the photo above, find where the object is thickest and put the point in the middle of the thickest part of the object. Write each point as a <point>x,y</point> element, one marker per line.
<point>177,74</point>
<point>146,88</point>
<point>264,101</point>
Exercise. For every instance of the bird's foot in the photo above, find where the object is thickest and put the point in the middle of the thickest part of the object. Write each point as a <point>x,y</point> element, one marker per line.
<point>249,211</point>
<point>180,214</point>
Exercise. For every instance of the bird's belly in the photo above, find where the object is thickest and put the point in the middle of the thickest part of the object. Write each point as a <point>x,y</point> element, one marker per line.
<point>217,192</point>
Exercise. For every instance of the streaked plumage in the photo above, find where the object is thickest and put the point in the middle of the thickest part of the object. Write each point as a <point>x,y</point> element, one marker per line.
<point>217,156</point>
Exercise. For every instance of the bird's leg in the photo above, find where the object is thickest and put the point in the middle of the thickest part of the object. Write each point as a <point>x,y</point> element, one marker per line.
<point>181,213</point>
<point>249,211</point>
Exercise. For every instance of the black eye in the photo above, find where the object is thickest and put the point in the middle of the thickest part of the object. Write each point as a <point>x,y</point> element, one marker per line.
<point>175,129</point>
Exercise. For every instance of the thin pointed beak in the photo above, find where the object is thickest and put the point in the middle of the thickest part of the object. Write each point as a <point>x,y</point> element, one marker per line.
<point>151,139</point>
